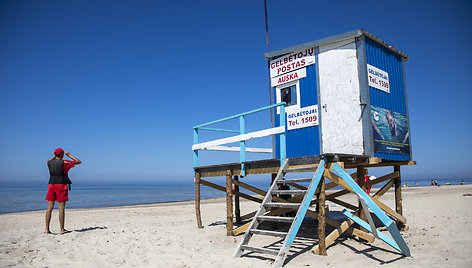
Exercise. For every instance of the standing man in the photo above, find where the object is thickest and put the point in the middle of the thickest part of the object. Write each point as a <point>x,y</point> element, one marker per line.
<point>58,181</point>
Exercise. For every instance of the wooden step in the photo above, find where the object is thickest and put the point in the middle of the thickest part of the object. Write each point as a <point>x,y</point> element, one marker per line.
<point>294,191</point>
<point>282,205</point>
<point>292,180</point>
<point>275,218</point>
<point>260,250</point>
<point>267,232</point>
<point>301,169</point>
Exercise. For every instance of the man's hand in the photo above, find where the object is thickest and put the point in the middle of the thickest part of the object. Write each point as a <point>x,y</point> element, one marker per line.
<point>77,161</point>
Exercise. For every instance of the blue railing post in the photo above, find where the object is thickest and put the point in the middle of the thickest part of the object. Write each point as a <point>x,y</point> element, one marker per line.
<point>195,152</point>
<point>242,145</point>
<point>282,136</point>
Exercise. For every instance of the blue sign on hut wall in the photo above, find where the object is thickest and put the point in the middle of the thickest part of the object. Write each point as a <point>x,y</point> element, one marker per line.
<point>345,94</point>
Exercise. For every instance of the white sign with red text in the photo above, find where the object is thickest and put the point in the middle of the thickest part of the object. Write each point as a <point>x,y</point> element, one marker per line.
<point>288,77</point>
<point>303,117</point>
<point>378,78</point>
<point>292,62</point>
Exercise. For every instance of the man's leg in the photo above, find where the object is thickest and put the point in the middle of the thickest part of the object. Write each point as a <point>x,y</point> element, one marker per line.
<point>48,216</point>
<point>62,216</point>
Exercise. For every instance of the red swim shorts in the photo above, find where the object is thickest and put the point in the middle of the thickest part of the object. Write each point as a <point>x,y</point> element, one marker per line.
<point>57,192</point>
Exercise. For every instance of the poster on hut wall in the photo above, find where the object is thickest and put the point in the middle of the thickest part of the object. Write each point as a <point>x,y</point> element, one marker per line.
<point>302,117</point>
<point>391,132</point>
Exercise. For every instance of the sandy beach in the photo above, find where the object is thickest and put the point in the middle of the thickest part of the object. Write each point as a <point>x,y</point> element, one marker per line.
<point>165,235</point>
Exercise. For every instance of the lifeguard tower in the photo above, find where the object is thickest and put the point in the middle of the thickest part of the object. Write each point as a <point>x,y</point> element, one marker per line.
<point>336,103</point>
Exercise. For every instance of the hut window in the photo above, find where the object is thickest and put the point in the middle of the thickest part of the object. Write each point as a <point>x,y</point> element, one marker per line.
<point>289,95</point>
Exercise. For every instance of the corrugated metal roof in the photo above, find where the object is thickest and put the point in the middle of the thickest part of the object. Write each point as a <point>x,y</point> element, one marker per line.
<point>332,39</point>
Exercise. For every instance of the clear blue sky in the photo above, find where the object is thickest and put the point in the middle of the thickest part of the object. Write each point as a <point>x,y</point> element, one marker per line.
<point>120,84</point>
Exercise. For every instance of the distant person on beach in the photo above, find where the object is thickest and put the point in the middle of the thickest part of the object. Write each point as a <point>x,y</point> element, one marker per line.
<point>57,189</point>
<point>432,182</point>
<point>436,182</point>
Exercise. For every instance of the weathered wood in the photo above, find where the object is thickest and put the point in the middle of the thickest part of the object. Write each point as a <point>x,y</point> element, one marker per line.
<point>335,178</point>
<point>238,138</point>
<point>321,218</point>
<point>237,210</point>
<point>344,226</point>
<point>248,216</point>
<point>270,166</point>
<point>268,233</point>
<point>383,164</point>
<point>398,196</point>
<point>354,231</point>
<point>282,205</point>
<point>260,250</point>
<point>197,200</point>
<point>276,218</point>
<point>361,182</point>
<point>342,203</point>
<point>229,204</point>
<point>384,189</point>
<point>223,189</point>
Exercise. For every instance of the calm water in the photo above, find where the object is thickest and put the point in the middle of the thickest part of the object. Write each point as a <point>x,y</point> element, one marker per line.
<point>30,196</point>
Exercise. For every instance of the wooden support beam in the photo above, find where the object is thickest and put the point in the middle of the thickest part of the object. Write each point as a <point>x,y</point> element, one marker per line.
<point>223,189</point>
<point>321,218</point>
<point>335,178</point>
<point>197,200</point>
<point>248,216</point>
<point>344,226</point>
<point>398,196</point>
<point>237,210</point>
<point>229,204</point>
<point>383,190</point>
<point>361,182</point>
<point>342,203</point>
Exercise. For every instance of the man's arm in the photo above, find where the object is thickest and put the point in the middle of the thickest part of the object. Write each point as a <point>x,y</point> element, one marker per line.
<point>77,161</point>
<point>51,158</point>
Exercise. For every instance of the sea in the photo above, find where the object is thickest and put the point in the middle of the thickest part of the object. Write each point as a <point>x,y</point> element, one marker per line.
<point>22,196</point>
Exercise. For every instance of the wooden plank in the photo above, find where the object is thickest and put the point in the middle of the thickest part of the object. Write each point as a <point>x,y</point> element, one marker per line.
<point>398,196</point>
<point>342,203</point>
<point>223,189</point>
<point>197,200</point>
<point>382,179</point>
<point>334,235</point>
<point>260,250</point>
<point>383,190</point>
<point>268,233</point>
<point>229,204</point>
<point>238,149</point>
<point>321,218</point>
<point>238,138</point>
<point>248,216</point>
<point>237,209</point>
<point>384,164</point>
<point>250,188</point>
<point>335,178</point>
<point>361,182</point>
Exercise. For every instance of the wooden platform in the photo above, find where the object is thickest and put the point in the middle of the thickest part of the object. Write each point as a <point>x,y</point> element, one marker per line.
<point>271,166</point>
<point>232,173</point>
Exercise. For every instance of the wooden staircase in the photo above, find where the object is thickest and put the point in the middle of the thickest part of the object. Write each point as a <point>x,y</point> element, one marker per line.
<point>268,202</point>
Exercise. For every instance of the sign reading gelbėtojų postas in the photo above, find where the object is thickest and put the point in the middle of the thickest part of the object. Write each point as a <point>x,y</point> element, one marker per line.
<point>292,62</point>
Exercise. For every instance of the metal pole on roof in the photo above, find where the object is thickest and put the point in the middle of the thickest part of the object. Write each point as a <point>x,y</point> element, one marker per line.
<point>266,26</point>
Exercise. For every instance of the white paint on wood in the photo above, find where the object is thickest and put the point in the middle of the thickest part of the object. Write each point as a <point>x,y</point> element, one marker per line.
<point>238,138</point>
<point>340,99</point>
<point>237,149</point>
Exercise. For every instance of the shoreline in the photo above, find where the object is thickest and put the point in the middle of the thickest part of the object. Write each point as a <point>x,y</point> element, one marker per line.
<point>186,202</point>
